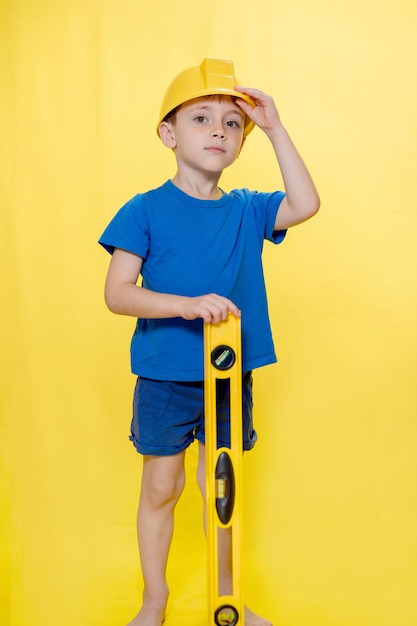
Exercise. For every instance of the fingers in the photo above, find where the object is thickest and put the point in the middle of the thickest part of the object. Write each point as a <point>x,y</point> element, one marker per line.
<point>256,95</point>
<point>249,91</point>
<point>264,112</point>
<point>212,308</point>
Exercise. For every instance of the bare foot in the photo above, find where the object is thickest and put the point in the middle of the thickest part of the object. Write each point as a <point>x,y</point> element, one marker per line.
<point>149,615</point>
<point>251,619</point>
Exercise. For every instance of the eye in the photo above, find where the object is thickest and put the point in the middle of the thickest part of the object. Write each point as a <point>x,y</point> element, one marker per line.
<point>200,119</point>
<point>233,124</point>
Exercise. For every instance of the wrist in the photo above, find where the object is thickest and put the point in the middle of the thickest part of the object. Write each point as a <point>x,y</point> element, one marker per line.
<point>178,306</point>
<point>276,132</point>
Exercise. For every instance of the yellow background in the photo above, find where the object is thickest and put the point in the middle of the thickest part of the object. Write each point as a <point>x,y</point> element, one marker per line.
<point>330,518</point>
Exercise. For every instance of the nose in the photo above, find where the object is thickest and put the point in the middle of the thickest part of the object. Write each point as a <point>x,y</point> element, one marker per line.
<point>218,132</point>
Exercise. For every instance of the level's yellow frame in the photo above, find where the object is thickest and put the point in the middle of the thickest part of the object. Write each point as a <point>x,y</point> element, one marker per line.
<point>227,333</point>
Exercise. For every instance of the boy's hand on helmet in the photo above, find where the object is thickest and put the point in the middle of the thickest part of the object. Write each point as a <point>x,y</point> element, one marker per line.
<point>211,307</point>
<point>264,113</point>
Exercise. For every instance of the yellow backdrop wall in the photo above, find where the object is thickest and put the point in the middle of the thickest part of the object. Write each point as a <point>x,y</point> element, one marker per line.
<point>330,491</point>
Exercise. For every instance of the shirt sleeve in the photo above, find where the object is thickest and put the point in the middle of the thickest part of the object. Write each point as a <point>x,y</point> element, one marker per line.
<point>266,206</point>
<point>129,229</point>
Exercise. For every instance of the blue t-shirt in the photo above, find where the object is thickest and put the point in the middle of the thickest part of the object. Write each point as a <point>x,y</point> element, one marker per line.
<point>193,247</point>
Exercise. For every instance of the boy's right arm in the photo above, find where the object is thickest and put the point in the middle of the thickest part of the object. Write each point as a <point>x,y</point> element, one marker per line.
<point>125,297</point>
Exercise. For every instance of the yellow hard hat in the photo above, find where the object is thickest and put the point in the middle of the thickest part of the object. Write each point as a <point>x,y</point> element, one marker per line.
<point>212,77</point>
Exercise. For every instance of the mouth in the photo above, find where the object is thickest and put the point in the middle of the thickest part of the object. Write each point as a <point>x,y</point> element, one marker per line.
<point>215,149</point>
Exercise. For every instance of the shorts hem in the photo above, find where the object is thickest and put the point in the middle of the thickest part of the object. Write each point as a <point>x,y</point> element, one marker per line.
<point>159,450</point>
<point>247,445</point>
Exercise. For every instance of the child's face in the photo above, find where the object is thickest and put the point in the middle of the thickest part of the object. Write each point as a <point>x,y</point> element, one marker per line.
<point>206,133</point>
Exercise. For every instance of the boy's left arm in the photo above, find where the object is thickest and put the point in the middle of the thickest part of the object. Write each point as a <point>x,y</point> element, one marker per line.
<point>302,200</point>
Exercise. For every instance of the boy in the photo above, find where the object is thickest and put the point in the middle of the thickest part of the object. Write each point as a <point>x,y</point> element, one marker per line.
<point>198,249</point>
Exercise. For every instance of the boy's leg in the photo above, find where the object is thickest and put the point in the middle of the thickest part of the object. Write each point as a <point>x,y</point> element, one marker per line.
<point>224,546</point>
<point>163,480</point>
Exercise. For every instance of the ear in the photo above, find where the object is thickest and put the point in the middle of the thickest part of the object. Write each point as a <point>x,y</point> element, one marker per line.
<point>166,134</point>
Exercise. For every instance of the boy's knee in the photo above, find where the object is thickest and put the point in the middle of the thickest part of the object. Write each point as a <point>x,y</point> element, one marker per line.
<point>163,489</point>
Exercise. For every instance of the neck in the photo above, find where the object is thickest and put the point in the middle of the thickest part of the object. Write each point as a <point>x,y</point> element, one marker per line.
<point>205,189</point>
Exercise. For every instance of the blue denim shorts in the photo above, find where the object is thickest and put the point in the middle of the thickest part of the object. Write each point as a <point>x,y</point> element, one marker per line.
<point>168,416</point>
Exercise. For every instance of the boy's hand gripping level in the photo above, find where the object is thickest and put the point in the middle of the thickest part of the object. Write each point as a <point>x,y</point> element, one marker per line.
<point>222,360</point>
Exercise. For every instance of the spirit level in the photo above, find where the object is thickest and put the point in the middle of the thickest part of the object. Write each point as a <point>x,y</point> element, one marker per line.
<point>222,360</point>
